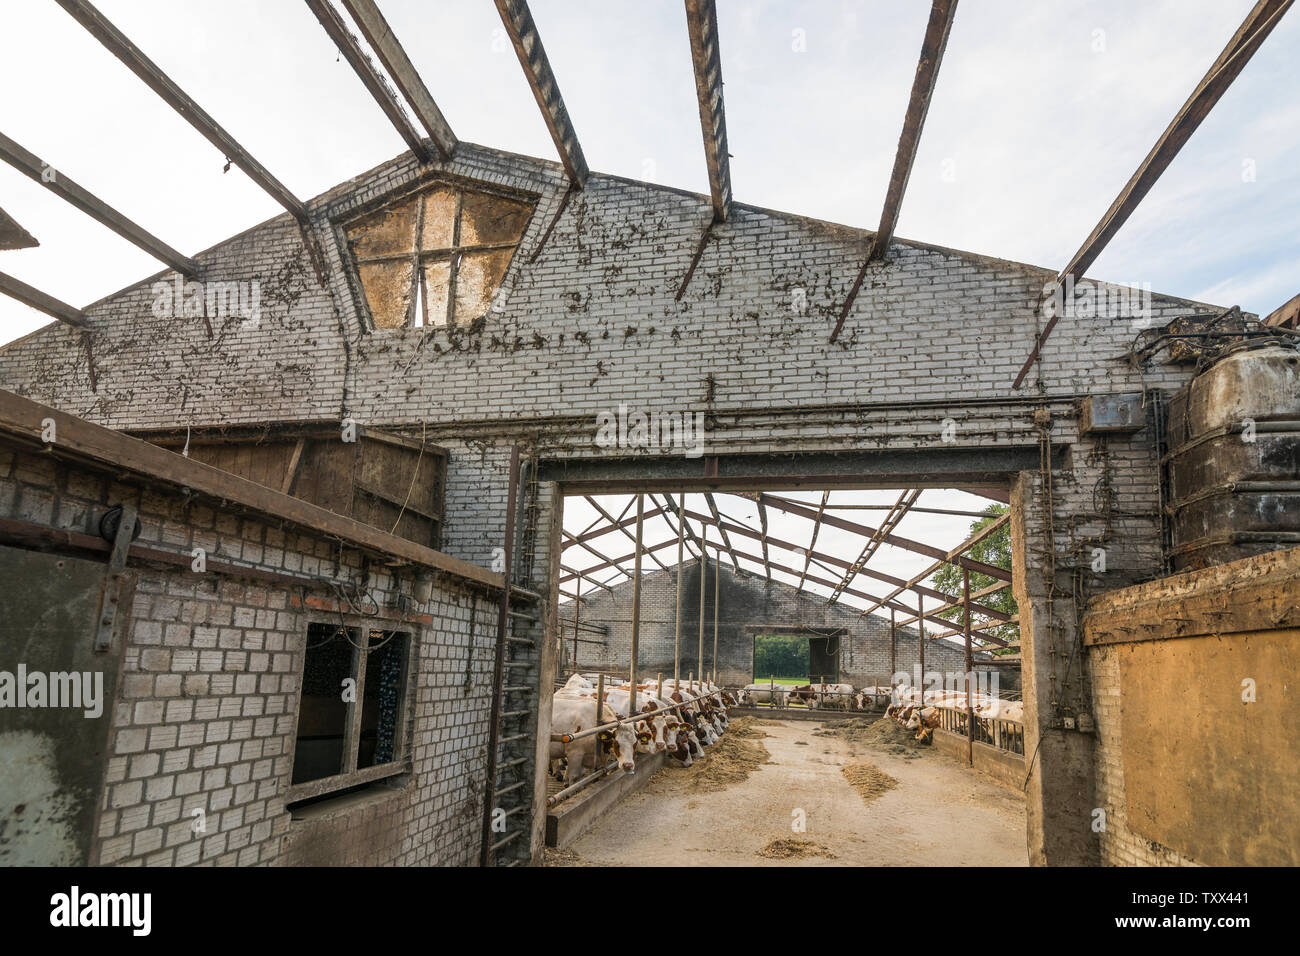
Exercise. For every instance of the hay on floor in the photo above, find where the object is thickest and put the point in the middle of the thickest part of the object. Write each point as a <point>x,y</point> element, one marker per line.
<point>884,732</point>
<point>869,781</point>
<point>730,761</point>
<point>787,849</point>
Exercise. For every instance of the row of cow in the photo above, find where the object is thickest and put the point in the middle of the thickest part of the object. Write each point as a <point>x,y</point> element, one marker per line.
<point>920,711</point>
<point>813,696</point>
<point>681,719</point>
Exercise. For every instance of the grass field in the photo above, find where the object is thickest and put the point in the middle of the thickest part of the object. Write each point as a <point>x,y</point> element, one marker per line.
<point>788,681</point>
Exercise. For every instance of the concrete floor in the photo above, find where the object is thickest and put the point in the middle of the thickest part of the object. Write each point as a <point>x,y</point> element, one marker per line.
<point>941,813</point>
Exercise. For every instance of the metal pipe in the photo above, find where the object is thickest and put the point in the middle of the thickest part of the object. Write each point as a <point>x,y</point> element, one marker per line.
<point>586,781</point>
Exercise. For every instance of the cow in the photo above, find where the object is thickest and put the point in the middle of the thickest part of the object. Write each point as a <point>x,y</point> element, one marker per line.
<point>573,714</point>
<point>836,696</point>
<point>764,694</point>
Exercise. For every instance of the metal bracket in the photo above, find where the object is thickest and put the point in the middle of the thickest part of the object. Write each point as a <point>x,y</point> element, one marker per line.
<point>113,580</point>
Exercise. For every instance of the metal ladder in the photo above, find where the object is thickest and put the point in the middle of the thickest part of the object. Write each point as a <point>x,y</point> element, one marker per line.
<point>508,791</point>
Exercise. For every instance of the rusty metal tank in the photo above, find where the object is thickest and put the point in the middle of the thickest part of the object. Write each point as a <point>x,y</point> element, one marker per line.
<point>1233,464</point>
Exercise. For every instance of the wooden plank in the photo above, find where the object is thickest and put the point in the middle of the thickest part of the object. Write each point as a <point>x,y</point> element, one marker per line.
<point>403,73</point>
<point>139,64</point>
<point>22,417</point>
<point>291,472</point>
<point>58,183</point>
<point>38,300</point>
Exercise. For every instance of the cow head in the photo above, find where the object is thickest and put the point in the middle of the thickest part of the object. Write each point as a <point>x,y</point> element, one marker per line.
<point>620,743</point>
<point>644,738</point>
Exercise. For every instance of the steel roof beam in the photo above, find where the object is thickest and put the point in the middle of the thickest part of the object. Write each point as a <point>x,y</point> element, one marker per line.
<point>1261,20</point>
<point>385,96</point>
<point>53,179</point>
<point>403,73</point>
<point>702,25</point>
<point>139,64</point>
<point>518,20</point>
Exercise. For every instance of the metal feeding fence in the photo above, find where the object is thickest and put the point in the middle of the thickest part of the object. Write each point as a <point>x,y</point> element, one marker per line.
<point>1005,735</point>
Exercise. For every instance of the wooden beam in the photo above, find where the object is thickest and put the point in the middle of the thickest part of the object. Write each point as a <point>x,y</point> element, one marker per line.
<point>1261,20</point>
<point>383,95</point>
<point>54,179</point>
<point>702,25</point>
<point>403,73</point>
<point>918,105</point>
<point>158,81</point>
<point>17,289</point>
<point>121,453</point>
<point>518,21</point>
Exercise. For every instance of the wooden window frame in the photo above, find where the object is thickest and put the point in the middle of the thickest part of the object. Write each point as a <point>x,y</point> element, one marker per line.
<point>351,776</point>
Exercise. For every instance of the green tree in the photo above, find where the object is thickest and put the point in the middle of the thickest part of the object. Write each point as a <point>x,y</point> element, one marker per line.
<point>780,655</point>
<point>994,550</point>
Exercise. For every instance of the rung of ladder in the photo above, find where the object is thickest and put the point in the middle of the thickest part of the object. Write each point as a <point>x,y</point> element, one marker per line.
<point>517,689</point>
<point>518,663</point>
<point>506,839</point>
<point>514,786</point>
<point>506,740</point>
<point>521,640</point>
<point>514,713</point>
<point>512,763</point>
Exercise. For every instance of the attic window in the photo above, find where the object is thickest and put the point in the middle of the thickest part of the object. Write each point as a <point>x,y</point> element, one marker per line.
<point>436,258</point>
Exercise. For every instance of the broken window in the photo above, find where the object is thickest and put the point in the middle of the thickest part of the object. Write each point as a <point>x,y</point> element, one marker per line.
<point>436,258</point>
<point>353,705</point>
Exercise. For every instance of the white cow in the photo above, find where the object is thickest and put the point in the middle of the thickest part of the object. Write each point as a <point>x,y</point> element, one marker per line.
<point>573,714</point>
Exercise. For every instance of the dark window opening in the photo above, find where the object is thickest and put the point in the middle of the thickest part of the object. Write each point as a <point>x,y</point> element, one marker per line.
<point>351,712</point>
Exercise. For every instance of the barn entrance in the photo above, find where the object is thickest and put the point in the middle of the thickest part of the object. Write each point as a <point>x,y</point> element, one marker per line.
<point>796,658</point>
<point>709,589</point>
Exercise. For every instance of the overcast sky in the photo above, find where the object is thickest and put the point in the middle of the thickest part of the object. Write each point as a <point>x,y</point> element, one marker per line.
<point>1042,111</point>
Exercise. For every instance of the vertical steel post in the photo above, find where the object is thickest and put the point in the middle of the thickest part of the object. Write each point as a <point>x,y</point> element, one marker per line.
<point>970,665</point>
<point>677,625</point>
<point>893,646</point>
<point>636,606</point>
<point>704,567</point>
<point>920,639</point>
<point>717,593</point>
<point>577,611</point>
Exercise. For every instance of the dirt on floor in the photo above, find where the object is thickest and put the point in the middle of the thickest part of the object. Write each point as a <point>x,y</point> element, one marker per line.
<point>940,812</point>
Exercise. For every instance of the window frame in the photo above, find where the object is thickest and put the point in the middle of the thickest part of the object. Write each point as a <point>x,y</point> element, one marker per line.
<point>351,776</point>
<point>419,257</point>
